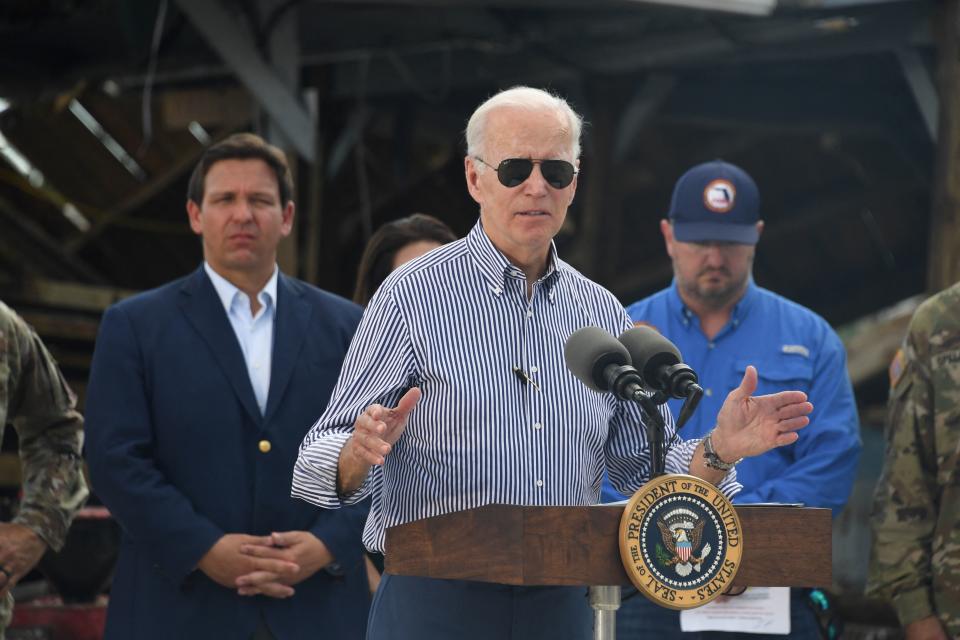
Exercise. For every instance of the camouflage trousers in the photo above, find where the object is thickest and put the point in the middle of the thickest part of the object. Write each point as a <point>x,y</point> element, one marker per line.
<point>6,613</point>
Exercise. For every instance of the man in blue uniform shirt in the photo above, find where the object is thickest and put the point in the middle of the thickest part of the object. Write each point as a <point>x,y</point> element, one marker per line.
<point>722,321</point>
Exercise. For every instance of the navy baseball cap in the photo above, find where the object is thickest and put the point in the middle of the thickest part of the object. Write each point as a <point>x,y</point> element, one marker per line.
<point>715,202</point>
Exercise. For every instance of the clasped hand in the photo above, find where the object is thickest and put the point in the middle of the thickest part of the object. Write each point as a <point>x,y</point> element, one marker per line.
<point>265,565</point>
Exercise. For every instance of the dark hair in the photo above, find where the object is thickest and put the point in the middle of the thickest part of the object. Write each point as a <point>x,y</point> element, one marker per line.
<point>377,261</point>
<point>242,146</point>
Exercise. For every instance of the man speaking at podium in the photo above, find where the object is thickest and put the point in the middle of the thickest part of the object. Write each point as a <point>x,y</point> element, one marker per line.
<point>454,392</point>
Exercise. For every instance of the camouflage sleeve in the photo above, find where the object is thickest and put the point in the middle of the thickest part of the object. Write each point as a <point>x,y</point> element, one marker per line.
<point>905,509</point>
<point>50,430</point>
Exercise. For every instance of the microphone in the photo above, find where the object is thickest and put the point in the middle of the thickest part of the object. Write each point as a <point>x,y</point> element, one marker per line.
<point>602,363</point>
<point>658,361</point>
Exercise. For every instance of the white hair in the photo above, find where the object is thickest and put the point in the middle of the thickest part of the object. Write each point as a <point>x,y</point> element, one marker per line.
<point>522,98</point>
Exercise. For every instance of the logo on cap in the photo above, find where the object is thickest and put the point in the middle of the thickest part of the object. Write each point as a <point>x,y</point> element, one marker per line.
<point>719,196</point>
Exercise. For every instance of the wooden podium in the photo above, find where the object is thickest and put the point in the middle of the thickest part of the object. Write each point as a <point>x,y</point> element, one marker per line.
<point>783,547</point>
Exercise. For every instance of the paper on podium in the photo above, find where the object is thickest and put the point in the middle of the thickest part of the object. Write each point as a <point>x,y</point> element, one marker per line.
<point>623,503</point>
<point>769,504</point>
<point>756,610</point>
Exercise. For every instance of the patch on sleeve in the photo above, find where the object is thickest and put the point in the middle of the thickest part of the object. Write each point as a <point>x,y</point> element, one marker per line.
<point>644,323</point>
<point>897,367</point>
<point>798,349</point>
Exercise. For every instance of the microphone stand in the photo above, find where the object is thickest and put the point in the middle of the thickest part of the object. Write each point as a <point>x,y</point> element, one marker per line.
<point>689,405</point>
<point>655,428</point>
<point>605,600</point>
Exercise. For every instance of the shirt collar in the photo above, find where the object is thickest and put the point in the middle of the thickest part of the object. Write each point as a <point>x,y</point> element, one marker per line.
<point>746,302</point>
<point>677,307</point>
<point>495,267</point>
<point>227,291</point>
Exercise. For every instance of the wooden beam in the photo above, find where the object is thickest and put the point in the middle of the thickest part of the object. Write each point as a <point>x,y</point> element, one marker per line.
<point>17,253</point>
<point>748,7</point>
<point>214,108</point>
<point>922,87</point>
<point>133,202</point>
<point>69,295</point>
<point>225,35</point>
<point>57,325</point>
<point>871,342</point>
<point>590,234</point>
<point>944,265</point>
<point>311,216</point>
<point>71,359</point>
<point>645,102</point>
<point>52,245</point>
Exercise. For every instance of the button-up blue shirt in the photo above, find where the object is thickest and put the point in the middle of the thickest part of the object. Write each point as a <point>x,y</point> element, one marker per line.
<point>254,332</point>
<point>792,348</point>
<point>457,322</point>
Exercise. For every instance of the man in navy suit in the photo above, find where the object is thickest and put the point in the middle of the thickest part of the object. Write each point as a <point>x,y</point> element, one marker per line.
<point>199,396</point>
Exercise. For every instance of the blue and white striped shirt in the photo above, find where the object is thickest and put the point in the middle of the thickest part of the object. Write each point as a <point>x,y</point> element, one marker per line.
<point>456,322</point>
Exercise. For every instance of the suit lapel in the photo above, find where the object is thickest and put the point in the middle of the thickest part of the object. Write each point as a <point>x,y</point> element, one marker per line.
<point>199,302</point>
<point>289,330</point>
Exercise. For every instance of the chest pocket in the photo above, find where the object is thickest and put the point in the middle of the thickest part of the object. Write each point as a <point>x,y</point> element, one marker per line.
<point>785,372</point>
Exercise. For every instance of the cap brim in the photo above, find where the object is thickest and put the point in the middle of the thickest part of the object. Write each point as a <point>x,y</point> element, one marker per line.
<point>715,232</point>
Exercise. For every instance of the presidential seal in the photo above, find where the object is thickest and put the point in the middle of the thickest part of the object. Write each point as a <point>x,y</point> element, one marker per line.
<point>680,541</point>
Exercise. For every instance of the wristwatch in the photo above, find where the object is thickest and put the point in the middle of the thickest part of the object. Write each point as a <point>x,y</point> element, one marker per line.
<point>711,459</point>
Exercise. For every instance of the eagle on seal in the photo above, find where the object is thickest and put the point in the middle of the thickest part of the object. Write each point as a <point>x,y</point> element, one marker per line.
<point>681,543</point>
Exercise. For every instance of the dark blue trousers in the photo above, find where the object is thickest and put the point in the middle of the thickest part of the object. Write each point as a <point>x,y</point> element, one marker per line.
<point>641,619</point>
<point>408,608</point>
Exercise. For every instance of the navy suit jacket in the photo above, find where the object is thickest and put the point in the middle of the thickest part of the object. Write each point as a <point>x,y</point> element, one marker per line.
<point>174,449</point>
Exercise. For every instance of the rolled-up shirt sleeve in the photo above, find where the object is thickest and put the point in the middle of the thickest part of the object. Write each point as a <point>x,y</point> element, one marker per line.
<point>680,455</point>
<point>628,451</point>
<point>378,369</point>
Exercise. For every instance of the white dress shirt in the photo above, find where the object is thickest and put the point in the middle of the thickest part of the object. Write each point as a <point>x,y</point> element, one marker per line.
<point>254,332</point>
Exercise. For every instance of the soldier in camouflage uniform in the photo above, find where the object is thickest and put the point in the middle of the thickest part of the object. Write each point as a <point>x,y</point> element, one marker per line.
<point>35,398</point>
<point>916,517</point>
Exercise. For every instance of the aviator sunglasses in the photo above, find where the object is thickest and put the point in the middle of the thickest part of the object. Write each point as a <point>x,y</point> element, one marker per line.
<point>513,172</point>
